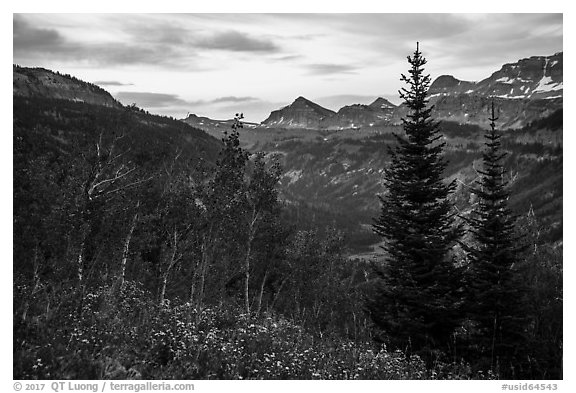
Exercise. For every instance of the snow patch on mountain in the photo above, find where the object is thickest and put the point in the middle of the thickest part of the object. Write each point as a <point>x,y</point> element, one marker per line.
<point>547,84</point>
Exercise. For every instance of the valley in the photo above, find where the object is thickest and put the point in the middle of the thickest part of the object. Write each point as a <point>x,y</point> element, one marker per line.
<point>333,161</point>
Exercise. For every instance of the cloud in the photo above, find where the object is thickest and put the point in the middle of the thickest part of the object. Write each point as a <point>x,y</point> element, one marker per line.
<point>233,99</point>
<point>31,42</point>
<point>112,83</point>
<point>148,40</point>
<point>288,58</point>
<point>330,69</point>
<point>254,109</point>
<point>237,42</point>
<point>151,100</point>
<point>153,31</point>
<point>177,32</point>
<point>384,27</point>
<point>29,38</point>
<point>163,100</point>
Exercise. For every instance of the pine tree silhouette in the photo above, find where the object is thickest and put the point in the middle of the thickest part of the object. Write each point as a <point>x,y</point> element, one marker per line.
<point>494,291</point>
<point>416,299</point>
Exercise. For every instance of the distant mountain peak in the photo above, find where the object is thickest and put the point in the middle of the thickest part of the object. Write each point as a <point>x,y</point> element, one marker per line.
<point>302,101</point>
<point>448,84</point>
<point>382,103</point>
<point>302,113</point>
<point>446,81</point>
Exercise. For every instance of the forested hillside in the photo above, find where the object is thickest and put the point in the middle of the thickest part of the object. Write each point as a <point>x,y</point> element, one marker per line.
<point>142,252</point>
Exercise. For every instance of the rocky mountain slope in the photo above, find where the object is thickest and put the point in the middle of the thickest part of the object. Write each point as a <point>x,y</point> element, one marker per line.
<point>381,111</point>
<point>40,82</point>
<point>302,113</point>
<point>341,174</point>
<point>524,91</point>
<point>473,109</point>
<point>537,77</point>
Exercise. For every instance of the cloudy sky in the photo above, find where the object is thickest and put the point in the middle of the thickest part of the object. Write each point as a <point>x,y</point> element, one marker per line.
<point>218,64</point>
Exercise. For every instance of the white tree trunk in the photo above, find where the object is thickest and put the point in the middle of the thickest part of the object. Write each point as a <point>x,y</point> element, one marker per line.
<point>127,247</point>
<point>80,263</point>
<point>259,306</point>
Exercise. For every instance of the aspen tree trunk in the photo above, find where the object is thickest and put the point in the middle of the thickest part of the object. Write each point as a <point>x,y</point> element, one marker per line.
<point>247,274</point>
<point>171,264</point>
<point>259,304</point>
<point>194,278</point>
<point>85,227</point>
<point>198,266</point>
<point>202,281</point>
<point>35,283</point>
<point>80,263</point>
<point>278,293</point>
<point>203,268</point>
<point>127,247</point>
<point>251,233</point>
<point>163,288</point>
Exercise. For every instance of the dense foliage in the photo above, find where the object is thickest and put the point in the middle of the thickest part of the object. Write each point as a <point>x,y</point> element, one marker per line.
<point>124,334</point>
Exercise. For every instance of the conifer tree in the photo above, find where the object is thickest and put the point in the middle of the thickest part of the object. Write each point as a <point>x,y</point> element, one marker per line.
<point>494,291</point>
<point>415,301</point>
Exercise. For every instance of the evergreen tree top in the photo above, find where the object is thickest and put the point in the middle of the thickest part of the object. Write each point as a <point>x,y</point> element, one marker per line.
<point>418,82</point>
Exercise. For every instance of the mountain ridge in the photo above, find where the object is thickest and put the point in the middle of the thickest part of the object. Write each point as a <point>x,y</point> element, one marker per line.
<point>305,114</point>
<point>534,77</point>
<point>527,90</point>
<point>41,82</point>
<point>302,113</point>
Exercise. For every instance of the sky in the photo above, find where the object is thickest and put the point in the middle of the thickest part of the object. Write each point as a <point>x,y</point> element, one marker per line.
<point>216,65</point>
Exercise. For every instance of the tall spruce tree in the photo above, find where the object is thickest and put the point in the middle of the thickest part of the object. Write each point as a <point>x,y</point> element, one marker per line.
<point>415,302</point>
<point>494,289</point>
